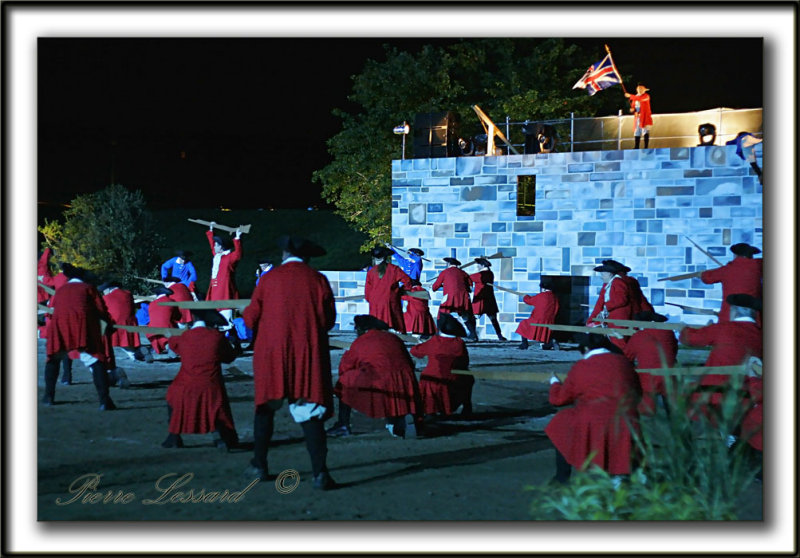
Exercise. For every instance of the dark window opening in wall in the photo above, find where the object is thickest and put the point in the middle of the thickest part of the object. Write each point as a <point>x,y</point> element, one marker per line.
<point>526,195</point>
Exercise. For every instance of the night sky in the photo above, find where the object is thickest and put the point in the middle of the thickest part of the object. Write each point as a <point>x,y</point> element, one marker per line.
<point>210,122</point>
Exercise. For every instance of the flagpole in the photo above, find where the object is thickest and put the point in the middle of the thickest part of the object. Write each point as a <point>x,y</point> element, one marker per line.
<point>611,58</point>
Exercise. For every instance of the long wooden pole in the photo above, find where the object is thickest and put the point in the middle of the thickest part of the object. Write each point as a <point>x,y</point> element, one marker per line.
<point>645,325</point>
<point>209,304</point>
<point>715,260</point>
<point>682,277</point>
<point>694,310</point>
<point>48,290</point>
<point>615,331</point>
<point>147,330</point>
<point>611,58</point>
<point>406,251</point>
<point>499,288</point>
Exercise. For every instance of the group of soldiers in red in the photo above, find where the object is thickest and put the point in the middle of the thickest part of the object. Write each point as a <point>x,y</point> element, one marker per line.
<point>292,310</point>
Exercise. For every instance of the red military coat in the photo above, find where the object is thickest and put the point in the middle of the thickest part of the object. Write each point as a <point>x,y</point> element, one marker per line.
<point>605,391</point>
<point>457,286</point>
<point>376,377</point>
<point>739,276</point>
<point>75,323</point>
<point>483,301</point>
<point>545,308</point>
<point>752,422</point>
<point>443,392</point>
<point>290,314</point>
<point>197,395</point>
<point>384,295</point>
<point>162,316</point>
<point>731,343</point>
<point>123,311</point>
<point>618,305</point>
<point>645,115</point>
<point>223,286</point>
<point>181,293</point>
<point>644,349</point>
<point>417,316</point>
<point>639,302</point>
<point>44,275</point>
<point>56,282</point>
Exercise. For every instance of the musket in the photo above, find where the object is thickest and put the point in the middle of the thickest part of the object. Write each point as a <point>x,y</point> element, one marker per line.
<point>141,298</point>
<point>48,290</point>
<point>713,259</point>
<point>241,228</point>
<point>209,304</point>
<point>495,256</point>
<point>404,250</point>
<point>44,309</point>
<point>498,287</point>
<point>615,331</point>
<point>156,281</point>
<point>682,277</point>
<point>693,310</point>
<point>165,331</point>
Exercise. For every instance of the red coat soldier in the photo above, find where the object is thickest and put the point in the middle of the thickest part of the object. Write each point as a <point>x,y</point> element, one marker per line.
<point>742,275</point>
<point>376,378</point>
<point>382,289</point>
<point>290,313</point>
<point>123,311</point>
<point>75,331</point>
<point>443,392</point>
<point>545,308</point>
<point>197,401</point>
<point>456,286</point>
<point>417,316</point>
<point>614,300</point>
<point>483,300</point>
<point>223,269</point>
<point>604,391</point>
<point>180,293</point>
<point>651,348</point>
<point>162,316</point>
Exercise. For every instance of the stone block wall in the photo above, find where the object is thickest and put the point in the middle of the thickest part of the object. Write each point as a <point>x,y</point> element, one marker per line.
<point>635,206</point>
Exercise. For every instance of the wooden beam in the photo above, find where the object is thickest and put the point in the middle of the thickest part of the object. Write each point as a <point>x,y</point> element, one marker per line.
<point>715,260</point>
<point>165,331</point>
<point>498,287</point>
<point>49,290</point>
<point>209,304</point>
<point>645,325</point>
<point>589,329</point>
<point>507,375</point>
<point>694,310</point>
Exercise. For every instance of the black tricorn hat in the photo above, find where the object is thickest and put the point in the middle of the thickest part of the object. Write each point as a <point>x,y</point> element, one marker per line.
<point>265,261</point>
<point>73,271</point>
<point>649,316</point>
<point>185,254</point>
<point>222,241</point>
<point>108,285</point>
<point>620,267</point>
<point>416,251</point>
<point>380,252</point>
<point>300,247</point>
<point>161,289</point>
<point>448,325</point>
<point>745,301</point>
<point>452,261</point>
<point>172,279</point>
<point>744,249</point>
<point>211,317</point>
<point>546,283</point>
<point>366,322</point>
<point>608,268</point>
<point>483,261</point>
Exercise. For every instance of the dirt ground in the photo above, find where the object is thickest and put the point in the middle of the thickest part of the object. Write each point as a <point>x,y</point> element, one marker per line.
<point>96,465</point>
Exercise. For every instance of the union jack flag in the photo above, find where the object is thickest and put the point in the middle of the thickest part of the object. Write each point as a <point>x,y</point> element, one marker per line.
<point>599,76</point>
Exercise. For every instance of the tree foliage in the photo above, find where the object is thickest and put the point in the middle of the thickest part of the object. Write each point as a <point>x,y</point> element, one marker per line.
<point>106,232</point>
<point>524,79</point>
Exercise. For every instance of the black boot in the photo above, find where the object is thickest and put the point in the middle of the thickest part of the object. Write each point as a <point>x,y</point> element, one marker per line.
<point>646,140</point>
<point>636,140</point>
<point>523,345</point>
<point>100,378</point>
<point>66,371</point>
<point>50,378</point>
<point>563,469</point>
<point>317,445</point>
<point>172,441</point>
<point>263,425</point>
<point>496,326</point>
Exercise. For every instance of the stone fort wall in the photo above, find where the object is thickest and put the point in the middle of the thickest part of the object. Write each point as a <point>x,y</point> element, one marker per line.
<point>635,206</point>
